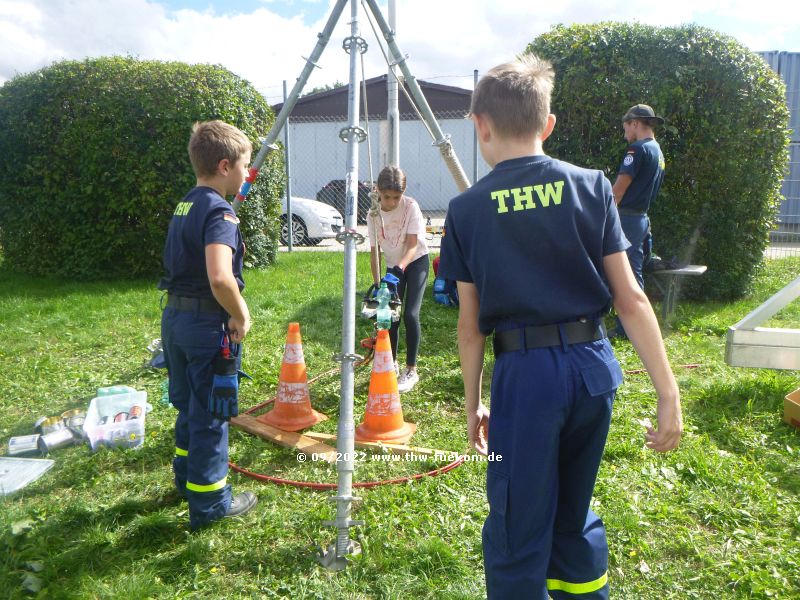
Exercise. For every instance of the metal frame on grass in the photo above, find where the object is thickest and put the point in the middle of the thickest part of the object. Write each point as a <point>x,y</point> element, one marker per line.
<point>335,557</point>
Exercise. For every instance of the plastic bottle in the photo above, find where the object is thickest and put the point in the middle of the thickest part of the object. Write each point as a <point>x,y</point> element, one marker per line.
<point>114,390</point>
<point>383,315</point>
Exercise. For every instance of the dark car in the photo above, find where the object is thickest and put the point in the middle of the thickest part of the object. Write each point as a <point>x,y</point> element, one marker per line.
<point>333,193</point>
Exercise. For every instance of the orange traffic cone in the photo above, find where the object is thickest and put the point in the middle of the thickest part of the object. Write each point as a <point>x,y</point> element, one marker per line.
<point>383,417</point>
<point>292,410</point>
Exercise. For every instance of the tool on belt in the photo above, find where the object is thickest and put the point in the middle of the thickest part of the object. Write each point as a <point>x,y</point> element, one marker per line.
<point>223,400</point>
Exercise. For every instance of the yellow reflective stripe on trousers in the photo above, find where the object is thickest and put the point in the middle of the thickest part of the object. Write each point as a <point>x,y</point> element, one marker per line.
<point>181,452</point>
<point>578,588</point>
<point>211,487</point>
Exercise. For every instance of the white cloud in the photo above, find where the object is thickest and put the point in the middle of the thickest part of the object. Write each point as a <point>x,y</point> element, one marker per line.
<point>445,39</point>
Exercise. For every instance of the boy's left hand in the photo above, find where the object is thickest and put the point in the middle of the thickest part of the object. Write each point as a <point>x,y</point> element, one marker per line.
<point>478,429</point>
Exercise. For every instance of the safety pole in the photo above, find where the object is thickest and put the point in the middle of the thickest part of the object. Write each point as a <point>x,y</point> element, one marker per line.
<point>269,142</point>
<point>335,558</point>
<point>393,111</point>
<point>441,140</point>
<point>287,161</point>
<point>474,134</point>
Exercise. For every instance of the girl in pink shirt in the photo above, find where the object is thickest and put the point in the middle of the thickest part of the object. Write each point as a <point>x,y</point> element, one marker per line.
<point>398,228</point>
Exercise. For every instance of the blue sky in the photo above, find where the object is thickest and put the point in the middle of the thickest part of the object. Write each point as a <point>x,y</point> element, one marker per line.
<point>264,41</point>
<point>312,10</point>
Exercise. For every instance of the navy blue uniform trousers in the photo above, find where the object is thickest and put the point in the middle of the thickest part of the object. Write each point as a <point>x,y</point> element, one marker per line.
<point>637,229</point>
<point>550,413</point>
<point>191,340</point>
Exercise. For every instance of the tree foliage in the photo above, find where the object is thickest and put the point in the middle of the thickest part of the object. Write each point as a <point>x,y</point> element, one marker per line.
<point>725,139</point>
<point>93,161</point>
<point>324,88</point>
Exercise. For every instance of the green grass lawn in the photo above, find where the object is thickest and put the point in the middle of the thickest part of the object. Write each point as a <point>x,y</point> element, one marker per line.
<point>718,518</point>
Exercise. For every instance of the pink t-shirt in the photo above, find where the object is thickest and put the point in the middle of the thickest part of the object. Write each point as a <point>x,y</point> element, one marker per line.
<point>391,228</point>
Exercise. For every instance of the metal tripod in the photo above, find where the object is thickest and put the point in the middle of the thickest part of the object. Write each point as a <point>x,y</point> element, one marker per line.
<point>335,557</point>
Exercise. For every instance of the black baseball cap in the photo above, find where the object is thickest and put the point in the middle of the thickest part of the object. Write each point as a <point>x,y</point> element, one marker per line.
<point>644,112</point>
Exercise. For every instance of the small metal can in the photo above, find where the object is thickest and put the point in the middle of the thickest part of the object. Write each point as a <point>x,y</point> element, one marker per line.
<point>74,418</point>
<point>56,439</point>
<point>51,424</point>
<point>37,427</point>
<point>135,412</point>
<point>22,444</point>
<point>120,417</point>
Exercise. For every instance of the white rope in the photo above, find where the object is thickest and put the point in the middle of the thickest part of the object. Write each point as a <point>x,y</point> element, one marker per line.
<point>394,74</point>
<point>445,146</point>
<point>366,119</point>
<point>374,208</point>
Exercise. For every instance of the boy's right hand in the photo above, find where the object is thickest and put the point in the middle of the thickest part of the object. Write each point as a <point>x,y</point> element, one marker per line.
<point>238,329</point>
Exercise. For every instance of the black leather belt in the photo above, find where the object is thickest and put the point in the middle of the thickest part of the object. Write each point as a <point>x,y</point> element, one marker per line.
<point>628,211</point>
<point>199,304</point>
<point>575,332</point>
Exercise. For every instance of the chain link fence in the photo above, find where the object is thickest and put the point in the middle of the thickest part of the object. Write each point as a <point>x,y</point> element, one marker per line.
<point>317,159</point>
<point>785,239</point>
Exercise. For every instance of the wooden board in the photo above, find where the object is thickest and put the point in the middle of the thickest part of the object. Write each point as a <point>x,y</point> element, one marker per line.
<point>287,439</point>
<point>687,270</point>
<point>380,447</point>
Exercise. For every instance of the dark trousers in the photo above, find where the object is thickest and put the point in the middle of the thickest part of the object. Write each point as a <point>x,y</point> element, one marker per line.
<point>411,290</point>
<point>550,413</point>
<point>637,229</point>
<point>191,340</point>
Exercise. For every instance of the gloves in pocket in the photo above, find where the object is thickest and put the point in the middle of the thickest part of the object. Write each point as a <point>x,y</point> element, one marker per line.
<point>223,400</point>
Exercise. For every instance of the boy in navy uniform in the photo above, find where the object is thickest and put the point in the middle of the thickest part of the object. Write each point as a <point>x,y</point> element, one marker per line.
<point>637,185</point>
<point>203,263</point>
<point>538,254</point>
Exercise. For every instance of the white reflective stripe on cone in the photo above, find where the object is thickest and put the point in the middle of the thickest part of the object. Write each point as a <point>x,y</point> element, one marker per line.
<point>293,354</point>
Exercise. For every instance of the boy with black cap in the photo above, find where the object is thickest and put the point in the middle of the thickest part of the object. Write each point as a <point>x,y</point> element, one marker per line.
<point>203,262</point>
<point>637,185</point>
<point>538,255</point>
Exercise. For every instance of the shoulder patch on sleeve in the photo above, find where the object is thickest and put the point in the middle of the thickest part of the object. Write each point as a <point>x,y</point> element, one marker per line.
<point>628,160</point>
<point>231,218</point>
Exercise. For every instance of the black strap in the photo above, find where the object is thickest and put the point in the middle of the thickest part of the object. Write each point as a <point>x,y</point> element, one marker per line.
<point>543,336</point>
<point>198,304</point>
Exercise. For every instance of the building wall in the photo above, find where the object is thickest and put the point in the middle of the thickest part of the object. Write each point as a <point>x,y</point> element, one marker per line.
<point>317,155</point>
<point>787,65</point>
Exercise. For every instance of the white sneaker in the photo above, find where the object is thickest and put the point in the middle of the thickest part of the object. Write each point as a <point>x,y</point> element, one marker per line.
<point>407,380</point>
<point>396,369</point>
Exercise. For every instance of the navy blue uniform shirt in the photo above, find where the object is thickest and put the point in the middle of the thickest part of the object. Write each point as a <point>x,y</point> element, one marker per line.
<point>644,162</point>
<point>203,217</point>
<point>531,235</point>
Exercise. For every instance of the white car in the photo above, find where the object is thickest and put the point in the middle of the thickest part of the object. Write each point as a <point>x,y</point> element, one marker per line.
<point>312,222</point>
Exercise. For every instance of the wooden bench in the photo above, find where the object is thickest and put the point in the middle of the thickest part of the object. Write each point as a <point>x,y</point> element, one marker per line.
<point>667,282</point>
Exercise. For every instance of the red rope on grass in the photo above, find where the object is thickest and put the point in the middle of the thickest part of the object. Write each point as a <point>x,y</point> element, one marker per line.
<point>359,484</point>
<point>329,486</point>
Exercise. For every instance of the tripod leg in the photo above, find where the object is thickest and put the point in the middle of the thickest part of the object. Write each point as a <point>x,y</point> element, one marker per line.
<point>283,116</point>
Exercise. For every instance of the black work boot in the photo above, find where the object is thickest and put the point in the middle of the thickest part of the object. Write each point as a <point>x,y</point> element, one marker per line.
<point>241,503</point>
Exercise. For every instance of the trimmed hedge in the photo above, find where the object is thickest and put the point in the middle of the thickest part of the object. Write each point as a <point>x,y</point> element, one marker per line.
<point>93,161</point>
<point>725,139</point>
